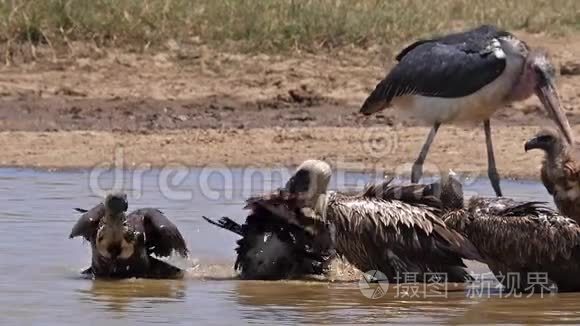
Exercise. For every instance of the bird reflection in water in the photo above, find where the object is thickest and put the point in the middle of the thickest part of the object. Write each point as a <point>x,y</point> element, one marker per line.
<point>120,295</point>
<point>339,302</point>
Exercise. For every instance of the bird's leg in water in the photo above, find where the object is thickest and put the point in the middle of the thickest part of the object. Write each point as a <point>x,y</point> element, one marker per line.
<point>491,169</point>
<point>417,170</point>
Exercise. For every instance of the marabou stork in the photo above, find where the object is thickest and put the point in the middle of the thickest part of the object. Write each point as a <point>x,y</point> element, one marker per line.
<point>466,77</point>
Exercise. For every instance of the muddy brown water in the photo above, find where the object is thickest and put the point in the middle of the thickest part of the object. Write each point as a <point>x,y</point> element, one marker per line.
<point>39,266</point>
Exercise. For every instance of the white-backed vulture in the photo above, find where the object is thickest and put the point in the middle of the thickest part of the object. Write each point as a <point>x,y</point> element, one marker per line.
<point>521,242</point>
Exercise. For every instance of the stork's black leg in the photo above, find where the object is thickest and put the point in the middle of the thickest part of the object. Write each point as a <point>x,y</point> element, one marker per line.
<point>417,170</point>
<point>491,169</point>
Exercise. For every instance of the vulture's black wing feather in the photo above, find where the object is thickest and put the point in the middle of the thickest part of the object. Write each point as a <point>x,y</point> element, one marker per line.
<point>161,236</point>
<point>87,224</point>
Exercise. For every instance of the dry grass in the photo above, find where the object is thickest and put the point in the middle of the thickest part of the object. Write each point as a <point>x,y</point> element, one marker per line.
<point>266,25</point>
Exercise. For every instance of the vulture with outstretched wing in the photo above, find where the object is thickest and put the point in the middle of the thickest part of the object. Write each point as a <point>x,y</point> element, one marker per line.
<point>129,245</point>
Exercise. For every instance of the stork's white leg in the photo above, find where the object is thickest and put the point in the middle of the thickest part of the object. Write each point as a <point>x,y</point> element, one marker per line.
<point>491,169</point>
<point>417,171</point>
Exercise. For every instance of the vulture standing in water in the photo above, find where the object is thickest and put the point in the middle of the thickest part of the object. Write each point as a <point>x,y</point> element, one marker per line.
<point>525,244</point>
<point>123,245</point>
<point>274,245</point>
<point>560,170</point>
<point>373,230</point>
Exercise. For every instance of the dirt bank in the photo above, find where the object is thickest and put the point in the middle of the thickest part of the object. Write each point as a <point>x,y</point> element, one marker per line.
<point>226,109</point>
<point>387,149</point>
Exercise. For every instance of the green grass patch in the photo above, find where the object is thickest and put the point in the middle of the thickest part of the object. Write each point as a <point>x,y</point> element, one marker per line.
<point>268,25</point>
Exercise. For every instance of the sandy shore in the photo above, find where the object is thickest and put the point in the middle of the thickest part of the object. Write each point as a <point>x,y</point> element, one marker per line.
<point>236,110</point>
<point>387,149</point>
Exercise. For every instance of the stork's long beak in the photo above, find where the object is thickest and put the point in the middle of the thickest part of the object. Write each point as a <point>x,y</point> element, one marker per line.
<point>546,92</point>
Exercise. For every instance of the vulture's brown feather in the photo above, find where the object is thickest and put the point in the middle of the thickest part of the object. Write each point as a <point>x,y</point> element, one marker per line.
<point>560,172</point>
<point>128,245</point>
<point>520,238</point>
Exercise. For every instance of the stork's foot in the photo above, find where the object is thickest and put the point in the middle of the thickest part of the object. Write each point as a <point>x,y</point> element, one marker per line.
<point>494,179</point>
<point>416,172</point>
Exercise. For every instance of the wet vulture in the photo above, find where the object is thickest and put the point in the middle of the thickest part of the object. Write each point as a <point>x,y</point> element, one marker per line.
<point>372,230</point>
<point>560,170</point>
<point>124,245</point>
<point>273,244</point>
<point>527,245</point>
<point>392,229</point>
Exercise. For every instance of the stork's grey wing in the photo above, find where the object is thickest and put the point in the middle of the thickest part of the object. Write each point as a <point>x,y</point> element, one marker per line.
<point>87,224</point>
<point>437,69</point>
<point>470,40</point>
<point>161,236</point>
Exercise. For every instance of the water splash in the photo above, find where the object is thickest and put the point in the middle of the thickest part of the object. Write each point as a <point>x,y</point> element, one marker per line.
<point>212,272</point>
<point>342,271</point>
<point>339,271</point>
<point>176,260</point>
<point>194,269</point>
